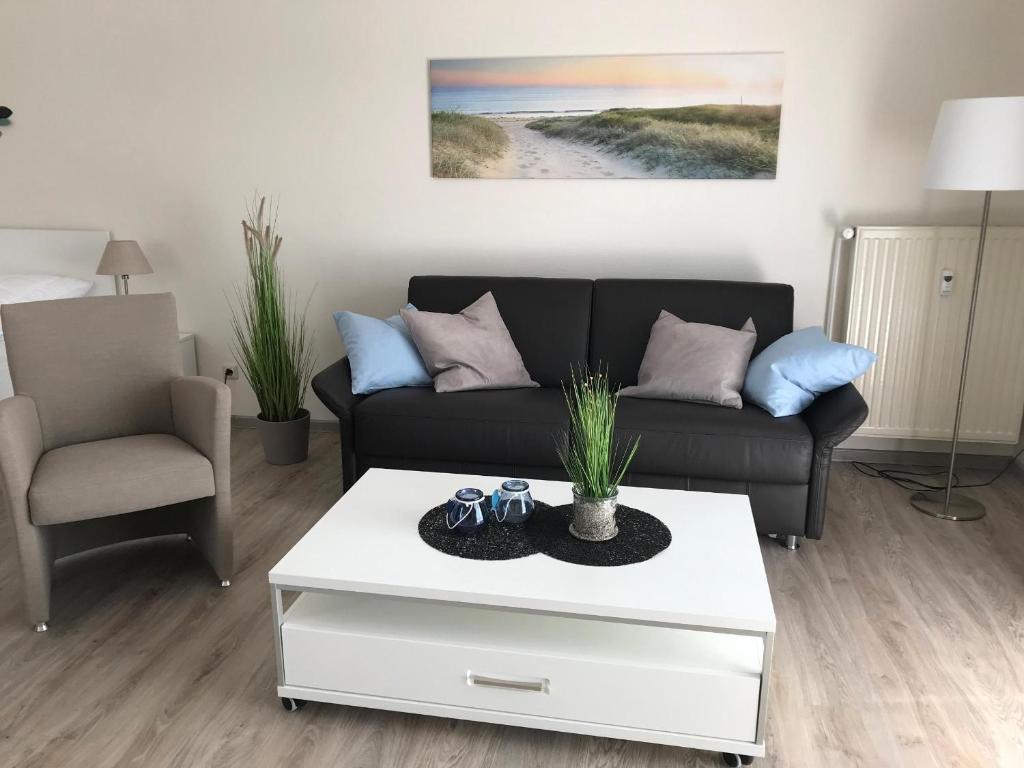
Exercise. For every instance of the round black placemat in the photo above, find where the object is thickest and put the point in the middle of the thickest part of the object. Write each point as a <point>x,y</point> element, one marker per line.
<point>641,536</point>
<point>497,541</point>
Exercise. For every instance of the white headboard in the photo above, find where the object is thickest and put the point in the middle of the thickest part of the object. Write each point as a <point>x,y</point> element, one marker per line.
<point>68,252</point>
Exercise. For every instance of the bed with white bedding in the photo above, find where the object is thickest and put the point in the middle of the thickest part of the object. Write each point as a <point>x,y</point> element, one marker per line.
<point>41,264</point>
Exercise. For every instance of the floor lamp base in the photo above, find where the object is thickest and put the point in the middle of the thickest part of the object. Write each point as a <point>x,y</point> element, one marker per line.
<point>961,508</point>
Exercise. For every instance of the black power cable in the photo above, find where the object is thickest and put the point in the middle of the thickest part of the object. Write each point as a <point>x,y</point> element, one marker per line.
<point>904,478</point>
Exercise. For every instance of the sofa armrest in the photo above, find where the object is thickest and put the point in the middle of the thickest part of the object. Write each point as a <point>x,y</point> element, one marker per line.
<point>21,445</point>
<point>333,385</point>
<point>831,418</point>
<point>835,415</point>
<point>201,408</point>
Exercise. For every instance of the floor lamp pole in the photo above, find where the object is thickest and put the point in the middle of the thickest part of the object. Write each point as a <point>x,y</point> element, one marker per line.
<point>956,506</point>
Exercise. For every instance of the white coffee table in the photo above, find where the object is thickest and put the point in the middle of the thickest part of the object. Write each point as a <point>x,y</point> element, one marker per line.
<point>676,650</point>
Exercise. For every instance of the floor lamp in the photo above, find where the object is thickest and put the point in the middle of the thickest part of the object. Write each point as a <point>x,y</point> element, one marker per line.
<point>978,145</point>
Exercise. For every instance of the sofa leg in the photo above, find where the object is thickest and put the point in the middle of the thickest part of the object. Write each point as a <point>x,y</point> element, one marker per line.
<point>41,627</point>
<point>792,543</point>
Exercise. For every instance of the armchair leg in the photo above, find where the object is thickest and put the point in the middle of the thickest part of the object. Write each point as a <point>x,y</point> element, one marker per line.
<point>35,551</point>
<point>211,532</point>
<point>792,543</point>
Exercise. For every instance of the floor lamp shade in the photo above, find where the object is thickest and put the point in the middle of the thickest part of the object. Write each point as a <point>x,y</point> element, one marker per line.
<point>978,144</point>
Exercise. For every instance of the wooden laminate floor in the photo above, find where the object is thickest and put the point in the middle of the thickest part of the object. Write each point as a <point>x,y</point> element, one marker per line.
<point>901,643</point>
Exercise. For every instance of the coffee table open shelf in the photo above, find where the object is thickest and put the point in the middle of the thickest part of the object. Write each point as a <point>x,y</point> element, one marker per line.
<point>676,650</point>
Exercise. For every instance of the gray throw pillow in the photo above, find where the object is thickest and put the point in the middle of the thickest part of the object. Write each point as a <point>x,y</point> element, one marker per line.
<point>470,350</point>
<point>695,362</point>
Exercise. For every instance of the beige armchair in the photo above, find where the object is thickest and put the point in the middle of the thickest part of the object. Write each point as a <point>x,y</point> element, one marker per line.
<point>105,440</point>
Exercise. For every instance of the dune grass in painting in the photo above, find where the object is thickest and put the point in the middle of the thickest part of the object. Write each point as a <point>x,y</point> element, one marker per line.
<point>460,143</point>
<point>706,142</point>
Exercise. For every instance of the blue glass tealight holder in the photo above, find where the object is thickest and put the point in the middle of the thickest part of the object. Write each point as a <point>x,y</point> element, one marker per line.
<point>512,503</point>
<point>465,511</point>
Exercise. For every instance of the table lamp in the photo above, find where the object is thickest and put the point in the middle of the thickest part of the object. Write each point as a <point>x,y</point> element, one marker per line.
<point>123,258</point>
<point>978,145</point>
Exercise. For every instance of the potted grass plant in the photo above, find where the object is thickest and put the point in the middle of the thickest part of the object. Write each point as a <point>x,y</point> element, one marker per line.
<point>594,460</point>
<point>271,345</point>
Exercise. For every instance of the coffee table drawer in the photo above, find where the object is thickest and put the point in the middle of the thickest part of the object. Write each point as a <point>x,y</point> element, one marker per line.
<point>655,678</point>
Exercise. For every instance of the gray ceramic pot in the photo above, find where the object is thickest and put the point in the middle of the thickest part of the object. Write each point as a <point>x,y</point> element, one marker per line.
<point>285,442</point>
<point>594,519</point>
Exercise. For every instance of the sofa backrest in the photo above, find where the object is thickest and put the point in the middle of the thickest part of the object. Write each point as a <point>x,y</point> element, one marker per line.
<point>548,318</point>
<point>625,310</point>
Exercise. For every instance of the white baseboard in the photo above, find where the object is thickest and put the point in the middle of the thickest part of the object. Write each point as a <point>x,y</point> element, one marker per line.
<point>919,446</point>
<point>873,450</point>
<point>919,458</point>
<point>315,425</point>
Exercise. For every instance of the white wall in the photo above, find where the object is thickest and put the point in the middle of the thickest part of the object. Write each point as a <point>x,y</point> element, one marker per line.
<point>157,120</point>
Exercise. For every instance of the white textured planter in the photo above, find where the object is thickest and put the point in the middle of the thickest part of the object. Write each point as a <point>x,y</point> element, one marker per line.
<point>594,519</point>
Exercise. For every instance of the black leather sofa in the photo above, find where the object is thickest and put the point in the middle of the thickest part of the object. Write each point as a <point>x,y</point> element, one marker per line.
<point>781,464</point>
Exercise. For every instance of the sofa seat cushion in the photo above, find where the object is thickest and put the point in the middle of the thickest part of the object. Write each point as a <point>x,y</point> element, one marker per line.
<point>708,441</point>
<point>517,428</point>
<point>513,426</point>
<point>115,476</point>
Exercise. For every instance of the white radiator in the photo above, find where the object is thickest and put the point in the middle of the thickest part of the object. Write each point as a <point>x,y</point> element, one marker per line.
<point>894,306</point>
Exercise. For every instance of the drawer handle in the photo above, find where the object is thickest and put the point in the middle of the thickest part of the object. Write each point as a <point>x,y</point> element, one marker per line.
<point>528,684</point>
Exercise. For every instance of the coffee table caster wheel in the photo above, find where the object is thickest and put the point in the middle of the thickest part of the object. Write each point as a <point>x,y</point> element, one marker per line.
<point>735,761</point>
<point>292,705</point>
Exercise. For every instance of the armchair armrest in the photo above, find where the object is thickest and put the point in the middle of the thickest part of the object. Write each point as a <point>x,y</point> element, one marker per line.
<point>333,385</point>
<point>201,408</point>
<point>21,445</point>
<point>832,418</point>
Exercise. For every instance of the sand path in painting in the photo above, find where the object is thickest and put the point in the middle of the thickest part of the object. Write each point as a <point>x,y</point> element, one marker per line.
<point>532,155</point>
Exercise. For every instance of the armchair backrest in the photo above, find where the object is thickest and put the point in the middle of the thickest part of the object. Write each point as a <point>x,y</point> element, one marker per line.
<point>97,367</point>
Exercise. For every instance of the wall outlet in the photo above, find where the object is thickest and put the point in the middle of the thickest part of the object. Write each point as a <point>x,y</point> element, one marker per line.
<point>230,372</point>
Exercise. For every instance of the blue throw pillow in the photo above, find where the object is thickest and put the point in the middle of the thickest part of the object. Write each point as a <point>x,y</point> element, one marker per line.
<point>789,374</point>
<point>381,353</point>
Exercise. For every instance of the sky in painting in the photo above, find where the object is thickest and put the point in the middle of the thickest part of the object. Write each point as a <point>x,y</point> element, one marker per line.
<point>704,73</point>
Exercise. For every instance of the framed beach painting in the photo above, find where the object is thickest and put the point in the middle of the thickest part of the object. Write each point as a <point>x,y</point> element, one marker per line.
<point>685,116</point>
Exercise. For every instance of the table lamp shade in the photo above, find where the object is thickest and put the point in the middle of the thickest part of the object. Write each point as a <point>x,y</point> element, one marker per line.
<point>123,257</point>
<point>978,144</point>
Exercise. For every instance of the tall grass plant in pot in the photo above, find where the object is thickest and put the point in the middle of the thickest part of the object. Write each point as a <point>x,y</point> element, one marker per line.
<point>595,461</point>
<point>271,344</point>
